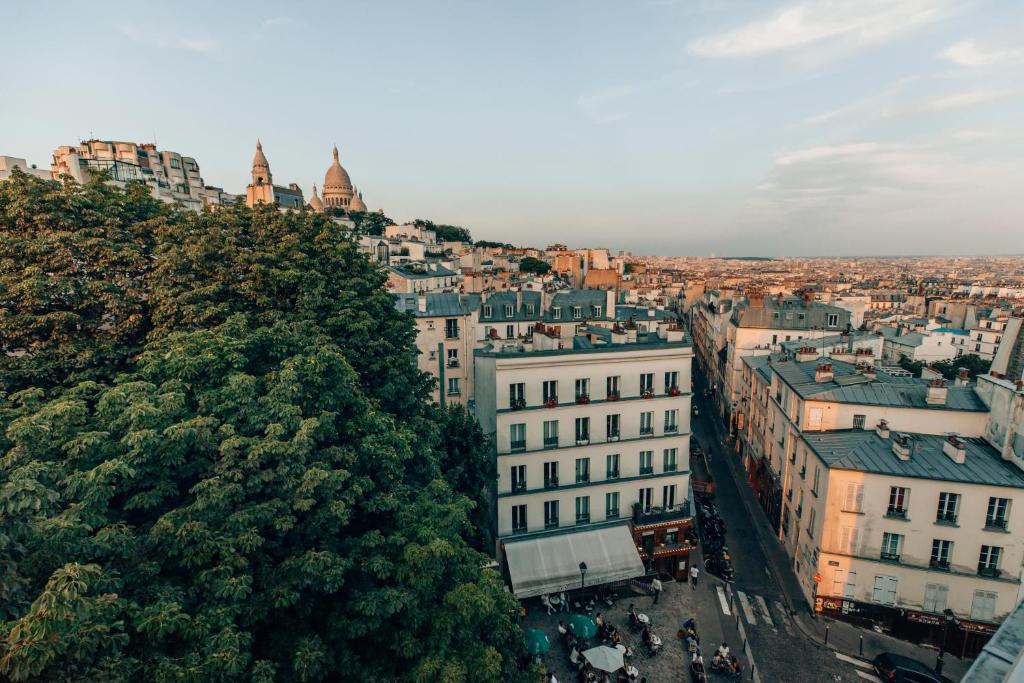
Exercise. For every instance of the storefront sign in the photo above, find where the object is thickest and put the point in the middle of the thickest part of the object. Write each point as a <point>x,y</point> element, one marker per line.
<point>925,618</point>
<point>977,627</point>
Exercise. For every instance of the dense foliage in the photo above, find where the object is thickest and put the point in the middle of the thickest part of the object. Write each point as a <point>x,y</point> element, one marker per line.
<point>529,264</point>
<point>972,362</point>
<point>369,222</point>
<point>223,468</point>
<point>444,233</point>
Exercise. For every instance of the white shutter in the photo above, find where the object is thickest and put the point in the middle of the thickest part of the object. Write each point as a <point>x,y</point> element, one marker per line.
<point>851,584</point>
<point>814,418</point>
<point>837,581</point>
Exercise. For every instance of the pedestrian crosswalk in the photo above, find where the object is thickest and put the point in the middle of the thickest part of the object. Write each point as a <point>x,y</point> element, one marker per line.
<point>756,610</point>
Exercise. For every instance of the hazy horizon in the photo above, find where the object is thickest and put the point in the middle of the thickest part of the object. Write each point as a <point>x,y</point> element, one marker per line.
<point>728,126</point>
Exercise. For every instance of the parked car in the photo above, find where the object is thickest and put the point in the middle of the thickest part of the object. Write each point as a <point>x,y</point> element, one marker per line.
<point>899,669</point>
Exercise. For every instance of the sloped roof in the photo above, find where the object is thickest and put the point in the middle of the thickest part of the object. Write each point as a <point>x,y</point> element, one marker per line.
<point>439,304</point>
<point>791,314</point>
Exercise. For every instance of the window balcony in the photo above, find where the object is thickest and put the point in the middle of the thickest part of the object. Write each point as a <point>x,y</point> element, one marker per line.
<point>582,478</point>
<point>612,514</point>
<point>896,513</point>
<point>992,572</point>
<point>671,429</point>
<point>550,442</point>
<point>946,518</point>
<point>517,403</point>
<point>518,486</point>
<point>613,396</point>
<point>583,441</point>
<point>583,399</point>
<point>674,391</point>
<point>551,483</point>
<point>551,402</point>
<point>647,393</point>
<point>646,431</point>
<point>939,564</point>
<point>613,474</point>
<point>647,470</point>
<point>890,557</point>
<point>453,362</point>
<point>520,529</point>
<point>995,524</point>
<point>671,467</point>
<point>583,519</point>
<point>551,523</point>
<point>518,445</point>
<point>613,436</point>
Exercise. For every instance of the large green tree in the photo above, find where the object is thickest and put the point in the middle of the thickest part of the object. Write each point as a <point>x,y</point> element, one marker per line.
<point>443,232</point>
<point>254,489</point>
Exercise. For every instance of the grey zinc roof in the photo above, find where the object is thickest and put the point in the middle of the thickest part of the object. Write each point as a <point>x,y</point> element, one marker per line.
<point>624,313</point>
<point>909,339</point>
<point>815,315</point>
<point>866,451</point>
<point>828,342</point>
<point>586,299</point>
<point>886,390</point>
<point>498,300</point>
<point>761,364</point>
<point>439,304</point>
<point>407,272</point>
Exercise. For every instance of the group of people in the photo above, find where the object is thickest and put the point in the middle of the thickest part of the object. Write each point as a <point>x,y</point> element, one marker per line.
<point>562,606</point>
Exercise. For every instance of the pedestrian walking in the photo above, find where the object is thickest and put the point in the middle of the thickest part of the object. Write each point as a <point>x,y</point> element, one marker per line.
<point>694,573</point>
<point>656,587</point>
<point>564,607</point>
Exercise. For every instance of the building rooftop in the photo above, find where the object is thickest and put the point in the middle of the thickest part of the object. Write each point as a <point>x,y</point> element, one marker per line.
<point>1002,658</point>
<point>420,271</point>
<point>593,340</point>
<point>849,385</point>
<point>790,313</point>
<point>865,451</point>
<point>828,343</point>
<point>439,304</point>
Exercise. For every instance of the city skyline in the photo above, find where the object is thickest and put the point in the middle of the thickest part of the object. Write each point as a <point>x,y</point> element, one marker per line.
<point>879,129</point>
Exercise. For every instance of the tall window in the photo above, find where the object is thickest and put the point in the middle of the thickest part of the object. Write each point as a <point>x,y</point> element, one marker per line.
<point>854,498</point>
<point>891,546</point>
<point>646,499</point>
<point>582,430</point>
<point>453,386</point>
<point>453,358</point>
<point>551,434</point>
<point>940,553</point>
<point>949,503</point>
<point>550,514</point>
<point>583,388</point>
<point>833,319</point>
<point>935,597</point>
<point>668,496</point>
<point>517,436</point>
<point>518,519</point>
<point>577,312</point>
<point>612,426</point>
<point>611,505</point>
<point>551,391</point>
<point>582,470</point>
<point>988,560</point>
<point>510,331</point>
<point>519,478</point>
<point>646,462</point>
<point>582,509</point>
<point>816,480</point>
<point>647,383</point>
<point>612,387</point>
<point>517,394</point>
<point>556,313</point>
<point>670,459</point>
<point>810,522</point>
<point>983,607</point>
<point>671,421</point>
<point>509,310</point>
<point>899,497</point>
<point>848,537</point>
<point>612,462</point>
<point>451,328</point>
<point>550,474</point>
<point>996,515</point>
<point>671,381</point>
<point>646,423</point>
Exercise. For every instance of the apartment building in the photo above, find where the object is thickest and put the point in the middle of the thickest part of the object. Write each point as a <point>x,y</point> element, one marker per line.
<point>985,335</point>
<point>8,164</point>
<point>928,346</point>
<point>590,426</point>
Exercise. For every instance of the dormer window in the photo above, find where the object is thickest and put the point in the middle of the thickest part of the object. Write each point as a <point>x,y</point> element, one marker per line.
<point>577,312</point>
<point>529,309</point>
<point>509,310</point>
<point>556,313</point>
<point>597,312</point>
<point>487,311</point>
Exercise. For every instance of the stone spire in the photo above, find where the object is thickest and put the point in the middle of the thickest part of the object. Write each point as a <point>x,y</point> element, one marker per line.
<point>314,202</point>
<point>260,167</point>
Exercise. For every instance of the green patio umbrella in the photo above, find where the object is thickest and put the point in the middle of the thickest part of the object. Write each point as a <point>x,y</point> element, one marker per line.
<point>537,642</point>
<point>582,626</point>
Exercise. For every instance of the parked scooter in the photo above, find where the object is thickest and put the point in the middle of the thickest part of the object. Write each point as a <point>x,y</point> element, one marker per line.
<point>720,565</point>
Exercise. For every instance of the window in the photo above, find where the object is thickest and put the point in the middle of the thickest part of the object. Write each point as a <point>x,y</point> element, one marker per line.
<point>940,553</point>
<point>948,505</point>
<point>518,477</point>
<point>983,607</point>
<point>611,505</point>
<point>848,537</point>
<point>612,426</point>
<point>817,480</point>
<point>612,462</point>
<point>598,311</point>
<point>775,337</point>
<point>488,311</point>
<point>582,509</point>
<point>577,312</point>
<point>582,430</point>
<point>582,388</point>
<point>453,358</point>
<point>517,436</point>
<point>995,518</point>
<point>550,474</point>
<point>550,514</point>
<point>988,560</point>
<point>668,496</point>
<point>891,546</point>
<point>669,456</point>
<point>851,584</point>
<point>646,462</point>
<point>453,386</point>
<point>935,596</point>
<point>529,309</point>
<point>517,395</point>
<point>582,470</point>
<point>556,313</point>
<point>671,381</point>
<point>612,387</point>
<point>451,328</point>
<point>833,319</point>
<point>509,310</point>
<point>885,589</point>
<point>518,519</point>
<point>810,522</point>
<point>646,423</point>
<point>671,421</point>
<point>175,163</point>
<point>854,498</point>
<point>551,434</point>
<point>510,331</point>
<point>858,421</point>
<point>550,391</point>
<point>898,498</point>
<point>647,383</point>
<point>646,499</point>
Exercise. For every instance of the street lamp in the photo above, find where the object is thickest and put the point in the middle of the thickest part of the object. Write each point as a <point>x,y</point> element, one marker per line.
<point>950,616</point>
<point>583,575</point>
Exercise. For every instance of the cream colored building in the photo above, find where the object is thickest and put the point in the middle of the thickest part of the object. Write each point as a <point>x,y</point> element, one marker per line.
<point>8,164</point>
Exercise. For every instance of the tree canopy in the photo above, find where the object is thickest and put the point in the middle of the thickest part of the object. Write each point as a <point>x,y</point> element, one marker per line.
<point>972,362</point>
<point>370,222</point>
<point>246,485</point>
<point>445,233</point>
<point>529,264</point>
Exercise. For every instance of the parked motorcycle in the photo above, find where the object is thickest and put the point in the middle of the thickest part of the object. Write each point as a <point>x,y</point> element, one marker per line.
<point>720,565</point>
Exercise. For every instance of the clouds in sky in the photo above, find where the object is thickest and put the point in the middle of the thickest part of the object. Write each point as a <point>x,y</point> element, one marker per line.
<point>162,38</point>
<point>967,53</point>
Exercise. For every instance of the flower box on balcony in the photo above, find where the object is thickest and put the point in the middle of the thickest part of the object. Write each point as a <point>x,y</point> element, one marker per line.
<point>674,391</point>
<point>518,403</point>
<point>647,394</point>
<point>613,396</point>
<point>583,398</point>
<point>551,402</point>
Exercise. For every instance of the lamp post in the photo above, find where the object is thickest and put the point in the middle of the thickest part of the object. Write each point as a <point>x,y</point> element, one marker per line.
<point>950,616</point>
<point>583,575</point>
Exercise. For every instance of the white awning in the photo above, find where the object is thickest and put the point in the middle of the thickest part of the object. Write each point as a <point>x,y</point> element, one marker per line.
<point>552,563</point>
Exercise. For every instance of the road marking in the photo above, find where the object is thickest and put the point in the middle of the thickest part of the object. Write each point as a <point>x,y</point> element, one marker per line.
<point>764,610</point>
<point>866,677</point>
<point>856,662</point>
<point>780,611</point>
<point>723,601</point>
<point>746,608</point>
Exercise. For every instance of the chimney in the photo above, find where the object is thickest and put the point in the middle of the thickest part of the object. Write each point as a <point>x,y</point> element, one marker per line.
<point>609,304</point>
<point>955,448</point>
<point>519,299</point>
<point>823,372</point>
<point>756,297</point>
<point>882,429</point>
<point>808,297</point>
<point>421,302</point>
<point>901,446</point>
<point>806,353</point>
<point>963,377</point>
<point>936,392</point>
<point>484,293</point>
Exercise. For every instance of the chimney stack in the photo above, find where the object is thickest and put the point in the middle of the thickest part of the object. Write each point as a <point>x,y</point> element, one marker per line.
<point>901,446</point>
<point>806,353</point>
<point>936,392</point>
<point>963,377</point>
<point>823,372</point>
<point>882,429</point>
<point>421,302</point>
<point>955,448</point>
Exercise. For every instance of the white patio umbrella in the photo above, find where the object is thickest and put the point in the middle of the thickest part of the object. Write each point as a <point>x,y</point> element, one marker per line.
<point>604,658</point>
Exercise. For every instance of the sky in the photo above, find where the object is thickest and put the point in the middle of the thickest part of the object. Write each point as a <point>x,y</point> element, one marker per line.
<point>665,127</point>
